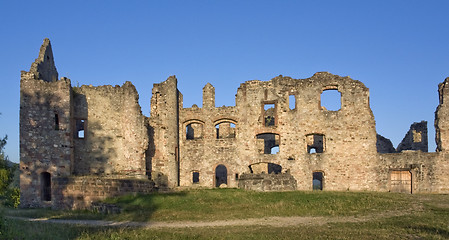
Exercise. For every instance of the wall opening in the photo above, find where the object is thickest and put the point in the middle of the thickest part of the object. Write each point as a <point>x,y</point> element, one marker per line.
<point>401,181</point>
<point>236,176</point>
<point>274,150</point>
<point>46,186</point>
<point>80,126</point>
<point>195,177</point>
<point>56,121</point>
<point>315,143</point>
<point>225,130</point>
<point>194,131</point>
<point>331,100</point>
<point>268,143</point>
<point>221,175</point>
<point>317,181</point>
<point>274,168</point>
<point>292,102</point>
<point>269,114</point>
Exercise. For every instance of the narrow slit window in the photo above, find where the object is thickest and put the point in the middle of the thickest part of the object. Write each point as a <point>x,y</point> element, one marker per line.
<point>56,121</point>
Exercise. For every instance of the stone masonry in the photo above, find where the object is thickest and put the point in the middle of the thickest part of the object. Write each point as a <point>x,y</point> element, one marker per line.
<point>82,144</point>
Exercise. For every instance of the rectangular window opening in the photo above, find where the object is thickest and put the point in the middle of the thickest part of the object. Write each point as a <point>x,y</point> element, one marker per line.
<point>80,126</point>
<point>269,114</point>
<point>292,102</point>
<point>56,121</point>
<point>195,177</point>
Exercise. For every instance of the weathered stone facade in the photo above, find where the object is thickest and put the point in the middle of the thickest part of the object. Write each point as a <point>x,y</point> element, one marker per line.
<point>74,137</point>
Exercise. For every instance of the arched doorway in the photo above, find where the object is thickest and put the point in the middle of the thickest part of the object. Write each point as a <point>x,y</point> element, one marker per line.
<point>221,175</point>
<point>46,186</point>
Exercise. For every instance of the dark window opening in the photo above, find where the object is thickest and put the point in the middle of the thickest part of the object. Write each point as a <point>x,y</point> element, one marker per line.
<point>45,186</point>
<point>225,130</point>
<point>236,176</point>
<point>56,121</point>
<point>80,126</point>
<point>195,177</point>
<point>274,168</point>
<point>292,102</point>
<point>270,143</point>
<point>315,143</point>
<point>269,114</point>
<point>291,158</point>
<point>263,167</point>
<point>221,175</point>
<point>331,100</point>
<point>194,131</point>
<point>317,181</point>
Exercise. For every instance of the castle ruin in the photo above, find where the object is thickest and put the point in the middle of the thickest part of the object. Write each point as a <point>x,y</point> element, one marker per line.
<point>83,144</point>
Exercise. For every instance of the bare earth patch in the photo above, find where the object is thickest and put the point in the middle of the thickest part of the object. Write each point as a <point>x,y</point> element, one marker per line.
<point>267,221</point>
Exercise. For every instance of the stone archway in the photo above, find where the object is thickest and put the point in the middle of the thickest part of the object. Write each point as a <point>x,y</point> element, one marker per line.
<point>221,175</point>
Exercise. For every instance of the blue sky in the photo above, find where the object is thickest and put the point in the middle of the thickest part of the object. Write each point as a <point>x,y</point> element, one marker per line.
<point>398,49</point>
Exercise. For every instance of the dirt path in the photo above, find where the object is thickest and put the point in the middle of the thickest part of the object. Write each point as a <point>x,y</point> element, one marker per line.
<point>268,221</point>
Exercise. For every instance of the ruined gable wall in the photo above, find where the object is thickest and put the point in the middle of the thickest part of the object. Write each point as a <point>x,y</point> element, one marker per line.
<point>415,139</point>
<point>348,132</point>
<point>207,150</point>
<point>115,136</point>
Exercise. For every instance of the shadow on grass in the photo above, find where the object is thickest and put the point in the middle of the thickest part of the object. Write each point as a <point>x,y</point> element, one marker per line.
<point>140,207</point>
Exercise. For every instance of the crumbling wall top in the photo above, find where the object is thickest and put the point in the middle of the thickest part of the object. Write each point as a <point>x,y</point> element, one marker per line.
<point>44,66</point>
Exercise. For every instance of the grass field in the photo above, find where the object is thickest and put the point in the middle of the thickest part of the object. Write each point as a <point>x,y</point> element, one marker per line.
<point>335,215</point>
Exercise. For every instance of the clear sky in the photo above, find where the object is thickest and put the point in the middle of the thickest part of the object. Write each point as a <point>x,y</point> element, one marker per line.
<point>398,49</point>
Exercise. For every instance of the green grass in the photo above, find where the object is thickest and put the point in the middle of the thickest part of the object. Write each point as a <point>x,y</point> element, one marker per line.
<point>424,216</point>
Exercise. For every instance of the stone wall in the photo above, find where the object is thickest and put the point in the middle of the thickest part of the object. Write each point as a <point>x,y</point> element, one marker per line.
<point>415,139</point>
<point>345,133</point>
<point>267,182</point>
<point>45,126</point>
<point>115,137</point>
<point>81,192</point>
<point>74,138</point>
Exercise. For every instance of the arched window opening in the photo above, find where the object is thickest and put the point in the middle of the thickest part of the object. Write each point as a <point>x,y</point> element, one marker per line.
<point>269,114</point>
<point>331,100</point>
<point>317,181</point>
<point>225,130</point>
<point>194,131</point>
<point>268,143</point>
<point>221,175</point>
<point>315,143</point>
<point>195,177</point>
<point>46,186</point>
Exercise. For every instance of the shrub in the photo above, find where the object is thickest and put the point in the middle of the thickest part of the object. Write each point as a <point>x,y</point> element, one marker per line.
<point>12,197</point>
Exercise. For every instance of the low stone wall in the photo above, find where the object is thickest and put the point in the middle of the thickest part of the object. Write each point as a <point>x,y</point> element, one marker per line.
<point>267,182</point>
<point>81,192</point>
